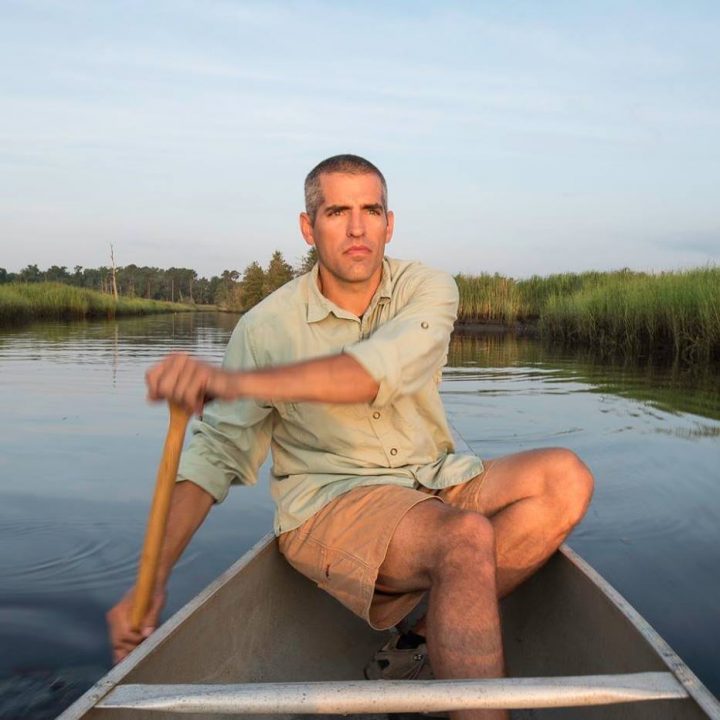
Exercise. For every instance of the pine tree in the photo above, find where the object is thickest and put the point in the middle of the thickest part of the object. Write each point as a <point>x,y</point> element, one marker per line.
<point>225,287</point>
<point>252,286</point>
<point>278,273</point>
<point>308,262</point>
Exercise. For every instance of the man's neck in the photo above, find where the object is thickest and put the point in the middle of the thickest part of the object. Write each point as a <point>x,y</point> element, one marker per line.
<point>354,297</point>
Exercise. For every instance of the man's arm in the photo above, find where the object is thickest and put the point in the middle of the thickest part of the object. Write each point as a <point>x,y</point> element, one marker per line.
<point>189,507</point>
<point>189,382</point>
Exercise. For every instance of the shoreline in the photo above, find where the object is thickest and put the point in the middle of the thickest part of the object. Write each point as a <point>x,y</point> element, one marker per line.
<point>492,327</point>
<point>24,303</point>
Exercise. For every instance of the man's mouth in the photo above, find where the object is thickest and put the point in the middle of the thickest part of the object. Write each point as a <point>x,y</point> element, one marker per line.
<point>358,250</point>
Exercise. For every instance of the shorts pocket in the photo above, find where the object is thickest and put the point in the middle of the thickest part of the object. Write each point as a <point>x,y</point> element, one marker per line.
<point>347,579</point>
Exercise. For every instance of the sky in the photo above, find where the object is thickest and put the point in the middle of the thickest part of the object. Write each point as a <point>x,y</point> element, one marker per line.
<point>516,137</point>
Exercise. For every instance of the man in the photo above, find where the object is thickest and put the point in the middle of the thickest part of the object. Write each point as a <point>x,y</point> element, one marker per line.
<point>338,372</point>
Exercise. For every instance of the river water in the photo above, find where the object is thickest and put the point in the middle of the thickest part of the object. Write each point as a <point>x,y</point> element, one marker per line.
<point>79,448</point>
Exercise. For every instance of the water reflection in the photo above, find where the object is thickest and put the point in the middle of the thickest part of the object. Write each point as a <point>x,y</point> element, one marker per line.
<point>95,341</point>
<point>671,387</point>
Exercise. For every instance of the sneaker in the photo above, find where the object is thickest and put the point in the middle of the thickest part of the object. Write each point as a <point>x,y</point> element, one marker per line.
<point>393,663</point>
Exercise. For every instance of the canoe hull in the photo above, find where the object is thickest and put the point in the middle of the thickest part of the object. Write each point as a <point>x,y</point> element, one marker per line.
<point>263,622</point>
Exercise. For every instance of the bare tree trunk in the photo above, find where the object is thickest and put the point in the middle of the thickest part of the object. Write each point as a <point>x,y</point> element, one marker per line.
<point>114,283</point>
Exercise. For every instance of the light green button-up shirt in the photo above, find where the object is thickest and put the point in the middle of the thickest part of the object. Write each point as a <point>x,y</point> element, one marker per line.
<point>322,450</point>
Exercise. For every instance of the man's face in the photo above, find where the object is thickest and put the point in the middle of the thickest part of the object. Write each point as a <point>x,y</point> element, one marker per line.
<point>351,227</point>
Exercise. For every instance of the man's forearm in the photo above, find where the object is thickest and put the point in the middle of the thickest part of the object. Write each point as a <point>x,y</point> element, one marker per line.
<point>335,379</point>
<point>186,381</point>
<point>189,506</point>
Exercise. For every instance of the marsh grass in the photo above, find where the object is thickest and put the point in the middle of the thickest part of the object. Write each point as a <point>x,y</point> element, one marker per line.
<point>622,312</point>
<point>23,302</point>
<point>677,313</point>
<point>489,298</point>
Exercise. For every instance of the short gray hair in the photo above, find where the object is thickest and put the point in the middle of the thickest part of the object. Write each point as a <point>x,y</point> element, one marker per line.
<point>350,164</point>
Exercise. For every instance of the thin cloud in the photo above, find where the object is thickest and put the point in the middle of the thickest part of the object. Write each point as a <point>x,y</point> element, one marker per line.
<point>705,243</point>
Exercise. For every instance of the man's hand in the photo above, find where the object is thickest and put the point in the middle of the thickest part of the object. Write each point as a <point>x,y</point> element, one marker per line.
<point>187,382</point>
<point>123,639</point>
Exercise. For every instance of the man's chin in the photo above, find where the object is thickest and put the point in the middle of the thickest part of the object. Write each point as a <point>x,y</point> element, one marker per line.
<point>359,274</point>
<point>356,271</point>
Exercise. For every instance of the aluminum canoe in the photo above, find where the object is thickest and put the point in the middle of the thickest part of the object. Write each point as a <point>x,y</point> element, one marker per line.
<point>262,641</point>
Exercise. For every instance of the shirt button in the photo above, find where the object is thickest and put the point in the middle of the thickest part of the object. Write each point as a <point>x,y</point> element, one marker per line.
<point>393,451</point>
<point>424,325</point>
<point>376,415</point>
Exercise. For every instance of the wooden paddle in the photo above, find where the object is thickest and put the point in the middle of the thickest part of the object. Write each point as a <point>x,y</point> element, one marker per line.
<point>157,520</point>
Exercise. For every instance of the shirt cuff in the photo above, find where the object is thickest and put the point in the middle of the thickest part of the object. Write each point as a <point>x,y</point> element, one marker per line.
<point>382,364</point>
<point>204,474</point>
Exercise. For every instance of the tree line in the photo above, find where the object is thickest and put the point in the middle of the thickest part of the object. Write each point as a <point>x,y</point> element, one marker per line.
<point>230,290</point>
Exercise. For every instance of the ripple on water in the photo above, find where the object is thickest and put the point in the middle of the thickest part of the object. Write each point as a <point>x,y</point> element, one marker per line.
<point>60,556</point>
<point>630,524</point>
<point>98,352</point>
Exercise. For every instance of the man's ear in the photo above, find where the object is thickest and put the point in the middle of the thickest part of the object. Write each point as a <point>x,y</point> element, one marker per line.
<point>306,228</point>
<point>390,226</point>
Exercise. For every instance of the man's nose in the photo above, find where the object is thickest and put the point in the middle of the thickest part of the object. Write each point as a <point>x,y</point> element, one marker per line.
<point>356,224</point>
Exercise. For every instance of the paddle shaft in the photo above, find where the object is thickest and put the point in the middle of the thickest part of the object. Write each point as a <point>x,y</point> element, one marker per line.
<point>157,520</point>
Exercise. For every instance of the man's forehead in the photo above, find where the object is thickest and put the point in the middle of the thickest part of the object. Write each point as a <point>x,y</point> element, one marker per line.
<point>337,186</point>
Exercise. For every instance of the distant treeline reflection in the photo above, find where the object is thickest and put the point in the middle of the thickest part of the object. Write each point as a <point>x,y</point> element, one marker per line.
<point>668,384</point>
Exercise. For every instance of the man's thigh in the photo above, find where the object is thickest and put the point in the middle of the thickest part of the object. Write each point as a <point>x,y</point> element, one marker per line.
<point>506,480</point>
<point>419,534</point>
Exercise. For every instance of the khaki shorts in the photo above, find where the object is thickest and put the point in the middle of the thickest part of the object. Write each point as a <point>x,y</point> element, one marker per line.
<point>342,547</point>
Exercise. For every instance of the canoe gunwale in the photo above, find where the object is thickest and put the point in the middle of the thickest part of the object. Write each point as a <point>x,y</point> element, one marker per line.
<point>692,684</point>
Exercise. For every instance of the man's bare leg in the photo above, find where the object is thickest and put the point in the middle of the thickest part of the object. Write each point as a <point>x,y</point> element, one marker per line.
<point>533,500</point>
<point>451,552</point>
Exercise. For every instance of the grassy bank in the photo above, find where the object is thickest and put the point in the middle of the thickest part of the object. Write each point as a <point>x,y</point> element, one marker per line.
<point>624,312</point>
<point>23,302</point>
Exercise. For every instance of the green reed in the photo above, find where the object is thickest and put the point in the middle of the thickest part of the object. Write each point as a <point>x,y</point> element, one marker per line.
<point>489,298</point>
<point>677,312</point>
<point>619,312</point>
<point>22,302</point>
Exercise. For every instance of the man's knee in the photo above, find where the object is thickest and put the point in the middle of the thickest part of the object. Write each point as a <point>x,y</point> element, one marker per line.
<point>571,485</point>
<point>466,540</point>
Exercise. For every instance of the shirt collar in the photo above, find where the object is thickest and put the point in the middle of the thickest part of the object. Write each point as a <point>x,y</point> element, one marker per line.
<point>319,307</point>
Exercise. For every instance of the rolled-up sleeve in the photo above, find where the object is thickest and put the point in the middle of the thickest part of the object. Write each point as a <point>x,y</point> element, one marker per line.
<point>407,351</point>
<point>231,440</point>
